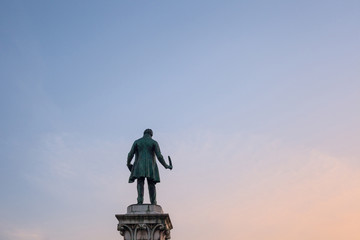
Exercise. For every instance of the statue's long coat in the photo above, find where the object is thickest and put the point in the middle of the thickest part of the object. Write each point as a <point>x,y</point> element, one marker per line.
<point>145,165</point>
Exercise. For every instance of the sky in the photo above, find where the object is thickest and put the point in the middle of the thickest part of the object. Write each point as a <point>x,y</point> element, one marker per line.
<point>256,102</point>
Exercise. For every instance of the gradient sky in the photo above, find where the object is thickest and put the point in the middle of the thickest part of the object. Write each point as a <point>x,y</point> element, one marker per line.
<point>257,103</point>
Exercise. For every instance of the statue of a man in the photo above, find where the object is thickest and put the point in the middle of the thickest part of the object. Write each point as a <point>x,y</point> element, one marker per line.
<point>145,165</point>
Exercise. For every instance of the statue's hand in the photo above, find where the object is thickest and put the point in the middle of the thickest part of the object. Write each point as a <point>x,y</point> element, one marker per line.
<point>170,166</point>
<point>130,166</point>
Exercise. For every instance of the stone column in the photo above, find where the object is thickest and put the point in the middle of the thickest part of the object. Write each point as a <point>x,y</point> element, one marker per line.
<point>144,222</point>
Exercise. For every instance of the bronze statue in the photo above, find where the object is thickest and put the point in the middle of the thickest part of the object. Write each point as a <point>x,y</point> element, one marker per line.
<point>145,165</point>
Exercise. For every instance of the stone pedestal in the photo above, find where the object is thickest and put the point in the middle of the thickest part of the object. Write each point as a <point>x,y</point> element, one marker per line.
<point>144,222</point>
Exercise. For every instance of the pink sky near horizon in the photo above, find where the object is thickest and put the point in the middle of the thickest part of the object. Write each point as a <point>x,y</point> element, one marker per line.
<point>300,195</point>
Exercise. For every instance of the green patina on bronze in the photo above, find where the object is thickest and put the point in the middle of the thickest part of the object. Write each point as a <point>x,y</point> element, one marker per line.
<point>145,149</point>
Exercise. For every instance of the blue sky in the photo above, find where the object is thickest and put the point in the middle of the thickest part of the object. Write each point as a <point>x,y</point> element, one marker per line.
<point>248,97</point>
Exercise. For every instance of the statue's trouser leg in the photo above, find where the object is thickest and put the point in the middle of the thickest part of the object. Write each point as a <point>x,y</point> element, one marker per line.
<point>152,191</point>
<point>140,190</point>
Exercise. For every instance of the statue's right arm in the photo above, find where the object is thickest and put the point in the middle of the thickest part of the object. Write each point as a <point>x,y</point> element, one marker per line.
<point>160,156</point>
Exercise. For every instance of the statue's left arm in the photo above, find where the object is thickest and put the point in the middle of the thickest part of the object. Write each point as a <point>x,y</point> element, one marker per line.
<point>131,154</point>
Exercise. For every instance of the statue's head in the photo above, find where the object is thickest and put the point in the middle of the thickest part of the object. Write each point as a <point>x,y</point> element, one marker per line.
<point>148,131</point>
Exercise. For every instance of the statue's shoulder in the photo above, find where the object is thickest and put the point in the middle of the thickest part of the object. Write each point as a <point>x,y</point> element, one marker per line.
<point>146,140</point>
<point>150,141</point>
<point>154,142</point>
